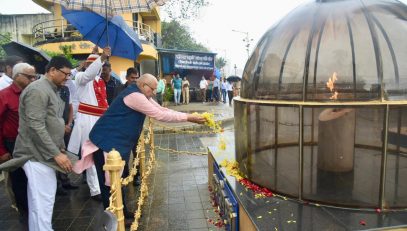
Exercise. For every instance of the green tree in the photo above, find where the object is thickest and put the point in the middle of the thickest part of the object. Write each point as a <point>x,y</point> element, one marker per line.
<point>177,36</point>
<point>220,62</point>
<point>4,39</point>
<point>184,9</point>
<point>65,50</point>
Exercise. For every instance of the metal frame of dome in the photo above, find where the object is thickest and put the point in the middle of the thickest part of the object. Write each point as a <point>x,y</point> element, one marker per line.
<point>314,29</point>
<point>251,95</point>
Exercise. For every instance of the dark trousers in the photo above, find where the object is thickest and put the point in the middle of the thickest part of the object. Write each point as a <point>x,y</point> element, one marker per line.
<point>99,160</point>
<point>18,182</point>
<point>230,96</point>
<point>224,95</point>
<point>209,95</point>
<point>216,93</point>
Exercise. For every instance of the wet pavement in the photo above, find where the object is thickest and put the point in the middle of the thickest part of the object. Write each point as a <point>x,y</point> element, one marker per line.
<point>179,198</point>
<point>178,187</point>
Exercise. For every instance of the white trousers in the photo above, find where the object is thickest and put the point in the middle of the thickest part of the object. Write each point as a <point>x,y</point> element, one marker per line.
<point>41,189</point>
<point>93,181</point>
<point>80,134</point>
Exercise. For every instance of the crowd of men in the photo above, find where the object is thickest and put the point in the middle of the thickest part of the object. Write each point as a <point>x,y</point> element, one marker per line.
<point>46,122</point>
<point>216,90</point>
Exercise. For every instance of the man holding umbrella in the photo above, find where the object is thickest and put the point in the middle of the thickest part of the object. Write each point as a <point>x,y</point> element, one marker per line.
<point>91,93</point>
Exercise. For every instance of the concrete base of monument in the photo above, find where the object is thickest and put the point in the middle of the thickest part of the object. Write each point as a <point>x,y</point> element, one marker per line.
<point>280,213</point>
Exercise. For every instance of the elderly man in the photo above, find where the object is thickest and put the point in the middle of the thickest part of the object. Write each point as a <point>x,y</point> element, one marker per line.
<point>40,145</point>
<point>91,93</point>
<point>123,123</point>
<point>9,63</point>
<point>23,75</point>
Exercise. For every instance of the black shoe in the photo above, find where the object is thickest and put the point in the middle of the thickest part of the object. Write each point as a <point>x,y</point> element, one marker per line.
<point>61,191</point>
<point>69,186</point>
<point>97,198</point>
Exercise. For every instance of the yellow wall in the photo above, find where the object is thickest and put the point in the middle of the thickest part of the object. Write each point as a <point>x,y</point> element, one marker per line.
<point>120,65</point>
<point>128,18</point>
<point>149,52</point>
<point>85,47</point>
<point>78,47</point>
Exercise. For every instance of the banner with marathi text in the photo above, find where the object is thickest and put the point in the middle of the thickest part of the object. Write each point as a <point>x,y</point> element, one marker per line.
<point>194,61</point>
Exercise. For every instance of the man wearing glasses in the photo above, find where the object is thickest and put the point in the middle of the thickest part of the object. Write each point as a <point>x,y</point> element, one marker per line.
<point>23,75</point>
<point>123,123</point>
<point>39,146</point>
<point>91,93</point>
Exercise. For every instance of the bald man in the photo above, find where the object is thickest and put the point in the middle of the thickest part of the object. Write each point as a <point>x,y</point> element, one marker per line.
<point>122,123</point>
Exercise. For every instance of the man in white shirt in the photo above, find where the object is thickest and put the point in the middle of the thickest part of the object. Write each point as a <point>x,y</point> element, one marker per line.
<point>10,61</point>
<point>91,93</point>
<point>203,84</point>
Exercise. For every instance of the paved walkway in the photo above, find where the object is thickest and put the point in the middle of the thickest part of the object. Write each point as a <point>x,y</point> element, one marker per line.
<point>178,199</point>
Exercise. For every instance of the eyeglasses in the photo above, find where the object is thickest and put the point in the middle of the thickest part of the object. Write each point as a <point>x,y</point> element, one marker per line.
<point>30,77</point>
<point>153,89</point>
<point>67,75</point>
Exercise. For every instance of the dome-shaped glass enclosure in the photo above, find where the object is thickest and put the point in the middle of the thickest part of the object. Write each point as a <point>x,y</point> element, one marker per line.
<point>361,41</point>
<point>322,114</point>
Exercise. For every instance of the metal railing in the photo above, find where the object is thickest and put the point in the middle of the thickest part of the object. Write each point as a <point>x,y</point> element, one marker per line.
<point>59,29</point>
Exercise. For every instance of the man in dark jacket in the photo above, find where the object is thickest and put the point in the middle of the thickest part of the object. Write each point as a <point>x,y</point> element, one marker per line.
<point>110,82</point>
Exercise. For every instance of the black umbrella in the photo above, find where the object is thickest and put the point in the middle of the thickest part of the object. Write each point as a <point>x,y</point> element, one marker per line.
<point>31,55</point>
<point>233,78</point>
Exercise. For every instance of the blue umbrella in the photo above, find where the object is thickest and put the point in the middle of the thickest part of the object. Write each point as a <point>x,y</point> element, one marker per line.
<point>122,40</point>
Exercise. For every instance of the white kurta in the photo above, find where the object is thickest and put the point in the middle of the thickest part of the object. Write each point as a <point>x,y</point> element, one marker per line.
<point>85,93</point>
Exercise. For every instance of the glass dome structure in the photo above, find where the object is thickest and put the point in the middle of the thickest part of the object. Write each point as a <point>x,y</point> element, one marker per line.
<point>322,114</point>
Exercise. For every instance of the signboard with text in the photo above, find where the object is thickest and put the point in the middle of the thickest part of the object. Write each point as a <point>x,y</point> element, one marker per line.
<point>194,61</point>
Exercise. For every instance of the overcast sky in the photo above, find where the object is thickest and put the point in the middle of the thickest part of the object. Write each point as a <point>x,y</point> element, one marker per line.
<point>214,26</point>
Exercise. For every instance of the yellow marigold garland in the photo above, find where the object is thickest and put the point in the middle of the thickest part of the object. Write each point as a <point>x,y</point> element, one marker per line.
<point>210,121</point>
<point>232,169</point>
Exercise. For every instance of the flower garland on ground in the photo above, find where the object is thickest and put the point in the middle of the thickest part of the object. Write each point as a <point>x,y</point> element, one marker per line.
<point>232,169</point>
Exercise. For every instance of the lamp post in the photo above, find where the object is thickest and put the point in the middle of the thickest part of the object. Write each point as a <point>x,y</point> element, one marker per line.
<point>247,40</point>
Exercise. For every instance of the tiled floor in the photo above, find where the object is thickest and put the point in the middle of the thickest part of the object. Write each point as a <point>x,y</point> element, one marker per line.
<point>179,188</point>
<point>74,211</point>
